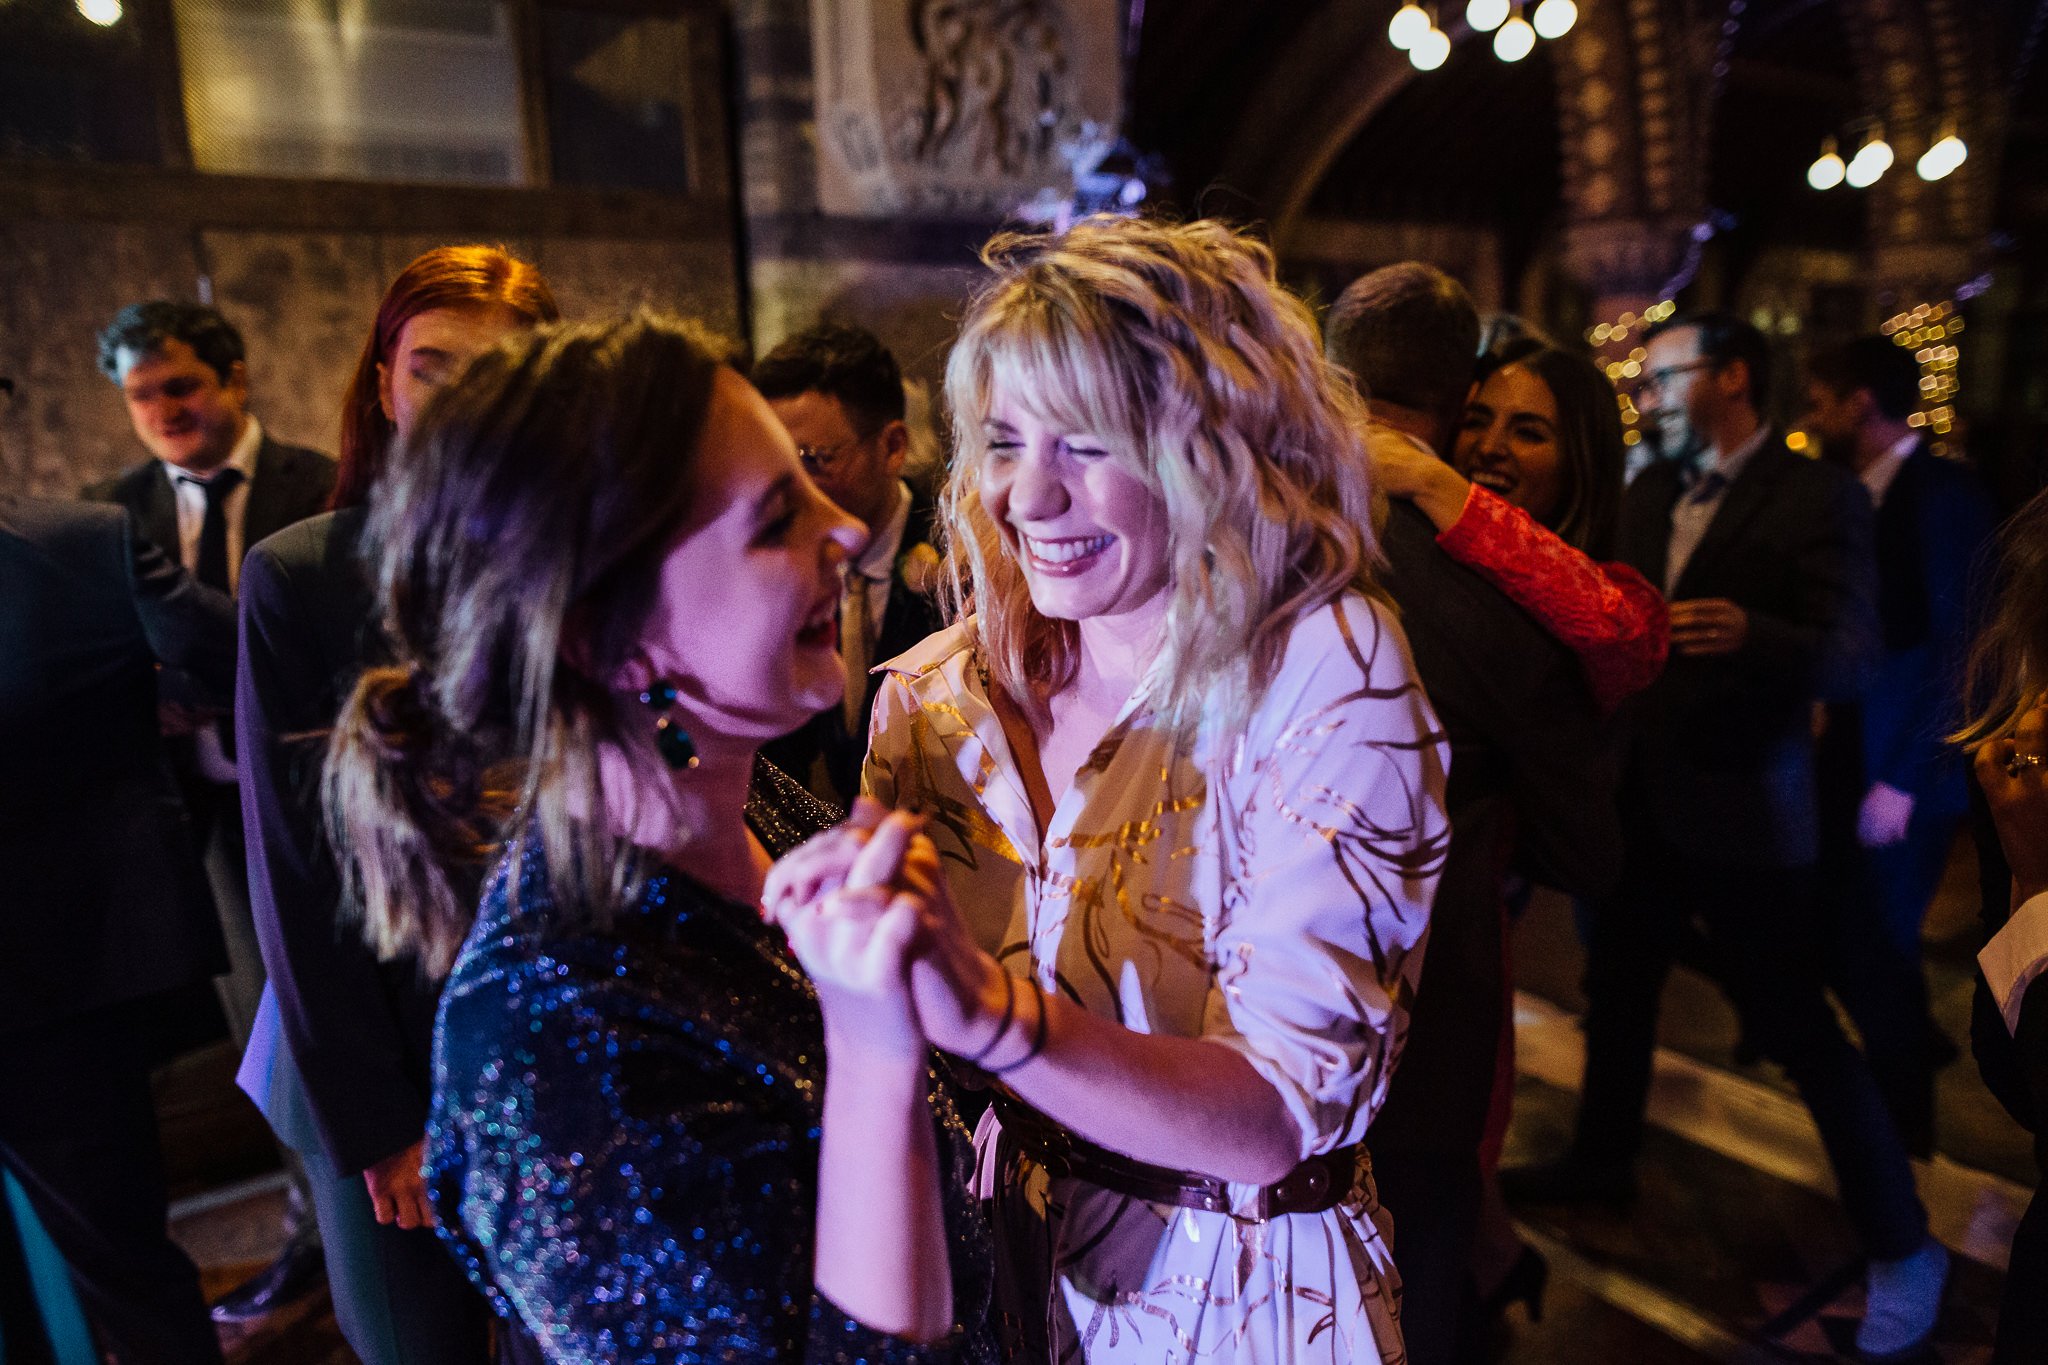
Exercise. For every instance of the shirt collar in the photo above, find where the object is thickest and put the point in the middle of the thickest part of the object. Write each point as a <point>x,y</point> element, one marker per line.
<point>1729,467</point>
<point>242,458</point>
<point>878,560</point>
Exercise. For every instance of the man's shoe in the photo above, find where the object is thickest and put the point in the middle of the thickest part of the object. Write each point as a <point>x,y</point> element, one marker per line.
<point>1901,1305</point>
<point>1570,1180</point>
<point>296,1273</point>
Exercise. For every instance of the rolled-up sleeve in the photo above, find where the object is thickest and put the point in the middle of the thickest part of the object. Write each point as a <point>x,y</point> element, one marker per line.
<point>1333,831</point>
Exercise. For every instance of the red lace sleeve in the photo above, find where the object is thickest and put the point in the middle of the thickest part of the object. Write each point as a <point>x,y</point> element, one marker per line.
<point>1607,614</point>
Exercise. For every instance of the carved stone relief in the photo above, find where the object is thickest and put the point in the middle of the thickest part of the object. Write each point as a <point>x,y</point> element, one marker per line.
<point>956,107</point>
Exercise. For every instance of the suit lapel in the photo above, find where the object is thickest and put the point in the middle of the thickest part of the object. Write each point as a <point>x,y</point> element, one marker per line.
<point>158,511</point>
<point>1646,529</point>
<point>269,496</point>
<point>1745,498</point>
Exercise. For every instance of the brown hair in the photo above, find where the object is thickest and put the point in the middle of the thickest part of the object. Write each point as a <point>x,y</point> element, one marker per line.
<point>516,549</point>
<point>446,277</point>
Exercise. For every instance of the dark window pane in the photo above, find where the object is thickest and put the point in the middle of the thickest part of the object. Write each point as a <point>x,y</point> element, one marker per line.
<point>408,90</point>
<point>75,90</point>
<point>617,95</point>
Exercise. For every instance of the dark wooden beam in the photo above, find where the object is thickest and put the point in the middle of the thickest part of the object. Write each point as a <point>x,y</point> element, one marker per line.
<point>48,190</point>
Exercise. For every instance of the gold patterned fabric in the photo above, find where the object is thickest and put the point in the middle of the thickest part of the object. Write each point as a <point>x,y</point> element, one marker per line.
<point>1267,889</point>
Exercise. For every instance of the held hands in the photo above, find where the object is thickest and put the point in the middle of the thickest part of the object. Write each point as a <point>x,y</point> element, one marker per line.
<point>853,923</point>
<point>2014,774</point>
<point>961,1000</point>
<point>1708,627</point>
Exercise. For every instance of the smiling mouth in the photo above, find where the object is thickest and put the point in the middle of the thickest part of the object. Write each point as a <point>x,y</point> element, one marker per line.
<point>1494,480</point>
<point>820,629</point>
<point>1069,556</point>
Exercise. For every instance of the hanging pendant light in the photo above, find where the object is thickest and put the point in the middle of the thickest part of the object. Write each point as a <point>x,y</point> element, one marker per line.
<point>1947,153</point>
<point>1409,23</point>
<point>1485,16</point>
<point>1872,160</point>
<point>1431,50</point>
<point>1554,18</point>
<point>1828,168</point>
<point>1515,40</point>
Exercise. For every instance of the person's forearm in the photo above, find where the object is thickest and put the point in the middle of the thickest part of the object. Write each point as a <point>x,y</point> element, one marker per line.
<point>1186,1103</point>
<point>881,1239</point>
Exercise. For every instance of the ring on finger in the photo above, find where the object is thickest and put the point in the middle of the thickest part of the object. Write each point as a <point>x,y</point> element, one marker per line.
<point>2015,763</point>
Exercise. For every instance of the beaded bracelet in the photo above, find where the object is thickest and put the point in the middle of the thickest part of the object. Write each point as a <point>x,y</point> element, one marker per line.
<point>1002,1027</point>
<point>1038,1036</point>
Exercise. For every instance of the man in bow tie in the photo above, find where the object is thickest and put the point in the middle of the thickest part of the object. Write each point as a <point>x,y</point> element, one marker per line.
<point>216,484</point>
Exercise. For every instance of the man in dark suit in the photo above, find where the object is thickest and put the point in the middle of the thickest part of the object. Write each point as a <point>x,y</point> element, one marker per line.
<point>105,907</point>
<point>1529,762</point>
<point>1767,559</point>
<point>1891,788</point>
<point>1892,791</point>
<point>839,392</point>
<point>216,484</point>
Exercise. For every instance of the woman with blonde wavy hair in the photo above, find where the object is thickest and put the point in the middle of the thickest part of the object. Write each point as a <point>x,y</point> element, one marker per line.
<point>1188,798</point>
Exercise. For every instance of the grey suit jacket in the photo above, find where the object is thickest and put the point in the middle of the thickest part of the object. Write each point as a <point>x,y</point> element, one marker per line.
<point>1721,760</point>
<point>104,899</point>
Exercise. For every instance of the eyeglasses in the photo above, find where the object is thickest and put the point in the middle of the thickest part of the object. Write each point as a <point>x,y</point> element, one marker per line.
<point>1661,379</point>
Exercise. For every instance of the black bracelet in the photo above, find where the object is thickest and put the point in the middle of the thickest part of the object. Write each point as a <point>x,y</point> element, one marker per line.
<point>1002,1028</point>
<point>1037,1035</point>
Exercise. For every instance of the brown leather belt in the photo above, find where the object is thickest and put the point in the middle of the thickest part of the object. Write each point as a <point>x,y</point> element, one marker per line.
<point>1317,1184</point>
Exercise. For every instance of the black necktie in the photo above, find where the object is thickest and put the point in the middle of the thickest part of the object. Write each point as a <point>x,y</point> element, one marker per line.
<point>212,565</point>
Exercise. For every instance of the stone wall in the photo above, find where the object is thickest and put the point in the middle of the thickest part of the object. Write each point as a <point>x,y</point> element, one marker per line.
<point>300,274</point>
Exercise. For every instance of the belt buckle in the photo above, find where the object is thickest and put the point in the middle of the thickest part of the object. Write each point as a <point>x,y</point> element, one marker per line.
<point>1305,1188</point>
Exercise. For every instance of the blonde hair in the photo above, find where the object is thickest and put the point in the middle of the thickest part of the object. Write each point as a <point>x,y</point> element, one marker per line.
<point>1177,343</point>
<point>2007,672</point>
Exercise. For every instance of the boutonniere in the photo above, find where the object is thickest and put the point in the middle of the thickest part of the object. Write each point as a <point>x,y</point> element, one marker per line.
<point>919,567</point>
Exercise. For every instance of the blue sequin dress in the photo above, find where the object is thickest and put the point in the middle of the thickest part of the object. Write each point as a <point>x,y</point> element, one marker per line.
<point>624,1143</point>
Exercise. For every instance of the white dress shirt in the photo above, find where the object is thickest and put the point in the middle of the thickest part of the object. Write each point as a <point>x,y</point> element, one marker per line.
<point>877,563</point>
<point>1877,478</point>
<point>191,493</point>
<point>1698,505</point>
<point>2016,955</point>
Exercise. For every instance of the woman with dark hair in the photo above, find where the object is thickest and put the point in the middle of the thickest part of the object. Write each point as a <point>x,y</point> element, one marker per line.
<point>604,580</point>
<point>1530,498</point>
<point>338,1059</point>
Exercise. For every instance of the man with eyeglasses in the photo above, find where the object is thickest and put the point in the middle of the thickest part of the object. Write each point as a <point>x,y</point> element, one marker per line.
<point>1767,559</point>
<point>840,393</point>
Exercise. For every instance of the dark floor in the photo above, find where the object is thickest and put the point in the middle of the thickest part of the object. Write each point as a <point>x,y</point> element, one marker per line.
<point>1734,1252</point>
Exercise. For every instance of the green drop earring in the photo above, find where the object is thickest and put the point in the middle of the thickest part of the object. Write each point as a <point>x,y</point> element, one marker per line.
<point>671,740</point>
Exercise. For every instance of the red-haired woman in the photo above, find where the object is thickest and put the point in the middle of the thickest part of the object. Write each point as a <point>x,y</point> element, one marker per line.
<point>339,1063</point>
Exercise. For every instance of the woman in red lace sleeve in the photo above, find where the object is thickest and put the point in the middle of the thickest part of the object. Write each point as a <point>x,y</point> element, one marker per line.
<point>1529,500</point>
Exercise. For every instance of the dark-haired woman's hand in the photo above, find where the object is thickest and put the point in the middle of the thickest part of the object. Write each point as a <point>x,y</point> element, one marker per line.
<point>2014,774</point>
<point>855,940</point>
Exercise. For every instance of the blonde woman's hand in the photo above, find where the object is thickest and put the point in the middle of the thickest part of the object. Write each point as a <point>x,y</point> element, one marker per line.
<point>2014,774</point>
